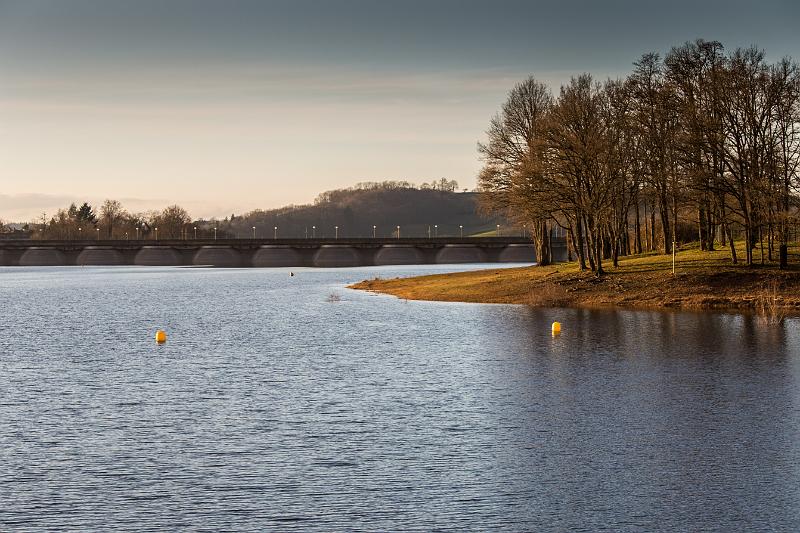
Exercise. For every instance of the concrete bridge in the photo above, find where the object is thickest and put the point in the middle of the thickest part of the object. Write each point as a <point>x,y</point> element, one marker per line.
<point>273,252</point>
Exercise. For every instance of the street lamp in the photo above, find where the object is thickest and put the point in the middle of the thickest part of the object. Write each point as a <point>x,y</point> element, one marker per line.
<point>156,229</point>
<point>254,232</point>
<point>98,233</point>
<point>313,232</point>
<point>374,228</point>
<point>337,231</point>
<point>195,233</point>
<point>275,232</point>
<point>126,235</point>
<point>498,230</point>
<point>461,230</point>
<point>398,232</point>
<point>436,230</point>
<point>137,233</point>
<point>80,233</point>
<point>215,233</point>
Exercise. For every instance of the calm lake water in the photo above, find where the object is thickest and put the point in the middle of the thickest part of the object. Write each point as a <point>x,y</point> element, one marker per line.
<point>274,407</point>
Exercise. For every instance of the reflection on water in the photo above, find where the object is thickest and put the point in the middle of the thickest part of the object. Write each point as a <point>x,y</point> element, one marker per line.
<point>273,406</point>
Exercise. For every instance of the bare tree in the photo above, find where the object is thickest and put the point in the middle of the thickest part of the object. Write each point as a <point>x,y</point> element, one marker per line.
<point>510,173</point>
<point>171,222</point>
<point>111,215</point>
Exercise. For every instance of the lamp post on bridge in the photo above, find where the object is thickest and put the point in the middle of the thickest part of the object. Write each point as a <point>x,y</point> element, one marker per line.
<point>461,230</point>
<point>254,232</point>
<point>313,232</point>
<point>215,233</point>
<point>98,233</point>
<point>156,230</point>
<point>275,232</point>
<point>336,229</point>
<point>195,233</point>
<point>398,232</point>
<point>374,229</point>
<point>498,230</point>
<point>436,230</point>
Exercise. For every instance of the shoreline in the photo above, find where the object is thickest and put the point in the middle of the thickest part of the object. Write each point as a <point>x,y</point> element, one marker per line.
<point>704,281</point>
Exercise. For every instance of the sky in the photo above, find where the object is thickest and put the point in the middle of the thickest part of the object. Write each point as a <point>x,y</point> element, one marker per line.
<point>231,105</point>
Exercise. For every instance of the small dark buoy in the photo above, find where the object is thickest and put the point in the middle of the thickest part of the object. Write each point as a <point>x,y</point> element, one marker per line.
<point>291,273</point>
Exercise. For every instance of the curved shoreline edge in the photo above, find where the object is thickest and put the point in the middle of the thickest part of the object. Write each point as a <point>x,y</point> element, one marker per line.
<point>703,281</point>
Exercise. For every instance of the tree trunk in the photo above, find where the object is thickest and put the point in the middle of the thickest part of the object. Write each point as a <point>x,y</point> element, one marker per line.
<point>702,229</point>
<point>542,241</point>
<point>590,245</point>
<point>579,241</point>
<point>637,245</point>
<point>663,211</point>
<point>652,228</point>
<point>727,227</point>
<point>570,244</point>
<point>711,228</point>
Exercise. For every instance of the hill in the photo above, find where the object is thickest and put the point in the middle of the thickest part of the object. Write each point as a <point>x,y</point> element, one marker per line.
<point>383,205</point>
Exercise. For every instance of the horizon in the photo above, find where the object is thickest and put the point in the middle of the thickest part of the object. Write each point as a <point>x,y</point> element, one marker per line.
<point>228,108</point>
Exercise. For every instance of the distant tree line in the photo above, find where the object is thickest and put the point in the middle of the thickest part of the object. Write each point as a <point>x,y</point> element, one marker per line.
<point>112,221</point>
<point>701,145</point>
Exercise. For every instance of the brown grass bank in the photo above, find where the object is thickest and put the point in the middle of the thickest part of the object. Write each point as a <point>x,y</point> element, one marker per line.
<point>703,280</point>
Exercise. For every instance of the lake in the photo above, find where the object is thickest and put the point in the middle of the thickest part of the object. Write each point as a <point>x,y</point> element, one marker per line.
<point>294,404</point>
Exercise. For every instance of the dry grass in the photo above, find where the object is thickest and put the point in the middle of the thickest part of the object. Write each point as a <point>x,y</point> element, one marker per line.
<point>549,294</point>
<point>703,280</point>
<point>768,304</point>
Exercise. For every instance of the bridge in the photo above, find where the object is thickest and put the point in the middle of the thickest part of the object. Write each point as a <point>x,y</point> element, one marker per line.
<point>273,252</point>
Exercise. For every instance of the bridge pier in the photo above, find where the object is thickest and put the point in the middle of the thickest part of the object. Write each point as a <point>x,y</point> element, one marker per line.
<point>337,256</point>
<point>398,254</point>
<point>217,256</point>
<point>517,253</point>
<point>273,255</point>
<point>100,256</point>
<point>9,257</point>
<point>158,256</point>
<point>41,256</point>
<point>460,253</point>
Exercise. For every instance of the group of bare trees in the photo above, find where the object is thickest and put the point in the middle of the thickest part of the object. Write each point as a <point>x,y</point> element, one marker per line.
<point>112,221</point>
<point>701,137</point>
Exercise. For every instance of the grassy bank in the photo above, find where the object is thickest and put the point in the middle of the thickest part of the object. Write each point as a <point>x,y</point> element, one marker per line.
<point>703,280</point>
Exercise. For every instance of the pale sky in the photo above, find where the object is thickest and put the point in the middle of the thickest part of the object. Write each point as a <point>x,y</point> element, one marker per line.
<point>227,106</point>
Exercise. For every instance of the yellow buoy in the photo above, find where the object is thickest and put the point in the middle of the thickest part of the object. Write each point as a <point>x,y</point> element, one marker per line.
<point>161,336</point>
<point>556,329</point>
